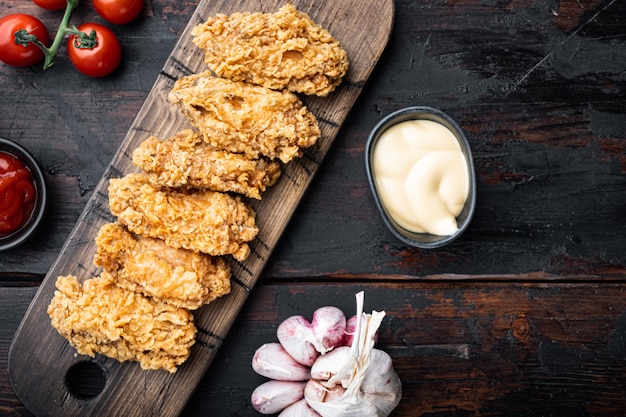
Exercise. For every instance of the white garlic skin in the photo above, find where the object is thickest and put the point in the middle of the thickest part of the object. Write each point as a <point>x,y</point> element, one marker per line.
<point>272,361</point>
<point>379,393</point>
<point>350,331</point>
<point>273,396</point>
<point>299,409</point>
<point>381,379</point>
<point>295,334</point>
<point>325,367</point>
<point>319,391</point>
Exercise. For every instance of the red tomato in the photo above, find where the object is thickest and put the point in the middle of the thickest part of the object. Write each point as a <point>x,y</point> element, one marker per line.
<point>118,12</point>
<point>15,54</point>
<point>100,60</point>
<point>51,4</point>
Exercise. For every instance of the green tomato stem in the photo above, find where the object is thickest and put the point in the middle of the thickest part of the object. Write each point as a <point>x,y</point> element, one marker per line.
<point>87,41</point>
<point>51,53</point>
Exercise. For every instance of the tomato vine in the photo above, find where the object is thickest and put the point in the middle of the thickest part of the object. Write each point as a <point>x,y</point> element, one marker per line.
<point>93,48</point>
<point>23,37</point>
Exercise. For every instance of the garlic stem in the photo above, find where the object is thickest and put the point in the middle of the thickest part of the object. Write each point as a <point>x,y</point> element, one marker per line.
<point>354,349</point>
<point>350,331</point>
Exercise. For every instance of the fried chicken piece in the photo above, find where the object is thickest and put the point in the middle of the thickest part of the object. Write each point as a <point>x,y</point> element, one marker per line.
<point>186,161</point>
<point>244,118</point>
<point>99,317</point>
<point>148,266</point>
<point>203,221</point>
<point>282,50</point>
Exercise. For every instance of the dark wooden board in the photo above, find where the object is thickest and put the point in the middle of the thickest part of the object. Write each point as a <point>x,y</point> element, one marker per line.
<point>538,87</point>
<point>461,349</point>
<point>39,358</point>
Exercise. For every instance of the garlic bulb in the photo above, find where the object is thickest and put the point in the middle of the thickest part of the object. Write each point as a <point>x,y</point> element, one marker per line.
<point>348,377</point>
<point>372,387</point>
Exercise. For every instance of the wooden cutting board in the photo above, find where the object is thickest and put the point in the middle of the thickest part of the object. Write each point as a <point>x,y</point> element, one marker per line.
<point>41,363</point>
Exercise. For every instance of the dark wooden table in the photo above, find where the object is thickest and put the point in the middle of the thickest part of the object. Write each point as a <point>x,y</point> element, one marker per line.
<point>524,315</point>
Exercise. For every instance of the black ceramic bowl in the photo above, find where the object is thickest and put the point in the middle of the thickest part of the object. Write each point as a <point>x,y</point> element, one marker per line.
<point>422,240</point>
<point>18,237</point>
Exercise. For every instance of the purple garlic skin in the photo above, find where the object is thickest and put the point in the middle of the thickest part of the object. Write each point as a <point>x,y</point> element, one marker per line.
<point>329,326</point>
<point>295,334</point>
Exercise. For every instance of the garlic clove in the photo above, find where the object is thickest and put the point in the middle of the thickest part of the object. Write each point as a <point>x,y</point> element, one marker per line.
<point>299,409</point>
<point>327,366</point>
<point>329,325</point>
<point>316,391</point>
<point>272,361</point>
<point>273,396</point>
<point>296,336</point>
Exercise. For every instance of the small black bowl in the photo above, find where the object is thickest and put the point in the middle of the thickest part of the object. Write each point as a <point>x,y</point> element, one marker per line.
<point>422,240</point>
<point>18,237</point>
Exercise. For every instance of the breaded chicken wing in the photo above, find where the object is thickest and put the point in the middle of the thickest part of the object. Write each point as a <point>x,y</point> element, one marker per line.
<point>146,265</point>
<point>282,50</point>
<point>99,317</point>
<point>244,118</point>
<point>202,221</point>
<point>186,161</point>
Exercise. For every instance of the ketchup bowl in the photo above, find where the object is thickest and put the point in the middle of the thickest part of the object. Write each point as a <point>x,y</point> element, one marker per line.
<point>420,170</point>
<point>23,194</point>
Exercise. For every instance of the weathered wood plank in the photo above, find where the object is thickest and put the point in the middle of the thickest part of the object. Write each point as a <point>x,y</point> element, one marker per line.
<point>500,349</point>
<point>41,389</point>
<point>460,348</point>
<point>549,147</point>
<point>539,89</point>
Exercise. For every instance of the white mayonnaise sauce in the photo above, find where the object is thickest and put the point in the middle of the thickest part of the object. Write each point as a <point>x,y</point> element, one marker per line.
<point>421,176</point>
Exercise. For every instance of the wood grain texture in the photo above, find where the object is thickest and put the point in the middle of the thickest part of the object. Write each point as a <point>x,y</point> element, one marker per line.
<point>39,358</point>
<point>460,349</point>
<point>538,87</point>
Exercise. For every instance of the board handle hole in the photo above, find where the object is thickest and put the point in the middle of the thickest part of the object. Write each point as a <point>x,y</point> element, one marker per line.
<point>85,380</point>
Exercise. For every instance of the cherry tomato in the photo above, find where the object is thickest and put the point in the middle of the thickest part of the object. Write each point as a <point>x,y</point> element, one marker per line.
<point>100,60</point>
<point>51,4</point>
<point>15,54</point>
<point>118,12</point>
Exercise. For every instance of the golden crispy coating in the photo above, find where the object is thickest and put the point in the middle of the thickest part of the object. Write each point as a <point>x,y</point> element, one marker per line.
<point>99,317</point>
<point>203,221</point>
<point>146,265</point>
<point>244,118</point>
<point>186,161</point>
<point>282,50</point>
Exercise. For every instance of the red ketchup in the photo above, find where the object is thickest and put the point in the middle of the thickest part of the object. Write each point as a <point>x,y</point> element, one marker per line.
<point>17,194</point>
